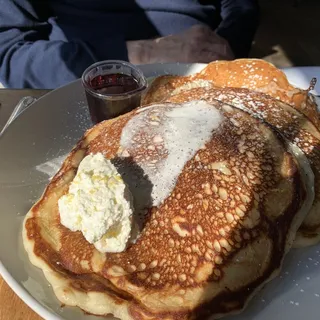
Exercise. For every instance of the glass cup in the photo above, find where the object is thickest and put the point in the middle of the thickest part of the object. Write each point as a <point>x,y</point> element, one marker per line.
<point>112,88</point>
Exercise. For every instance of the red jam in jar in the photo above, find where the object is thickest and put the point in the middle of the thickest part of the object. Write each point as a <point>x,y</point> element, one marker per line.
<point>112,89</point>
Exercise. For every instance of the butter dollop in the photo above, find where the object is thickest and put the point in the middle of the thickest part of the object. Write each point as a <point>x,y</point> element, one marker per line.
<point>98,204</point>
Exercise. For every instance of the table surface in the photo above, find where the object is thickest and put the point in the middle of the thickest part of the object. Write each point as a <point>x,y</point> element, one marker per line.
<point>11,307</point>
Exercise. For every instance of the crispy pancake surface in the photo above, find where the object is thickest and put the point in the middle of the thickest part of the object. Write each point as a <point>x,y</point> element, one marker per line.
<point>262,76</point>
<point>253,74</point>
<point>295,127</point>
<point>206,248</point>
<point>165,86</point>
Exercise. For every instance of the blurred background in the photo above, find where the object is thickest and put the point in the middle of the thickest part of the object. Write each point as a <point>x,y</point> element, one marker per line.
<point>289,33</point>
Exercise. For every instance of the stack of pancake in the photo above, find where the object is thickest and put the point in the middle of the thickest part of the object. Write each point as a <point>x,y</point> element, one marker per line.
<point>232,157</point>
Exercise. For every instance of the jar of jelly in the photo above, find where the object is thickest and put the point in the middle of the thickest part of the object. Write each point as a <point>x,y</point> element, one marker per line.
<point>112,88</point>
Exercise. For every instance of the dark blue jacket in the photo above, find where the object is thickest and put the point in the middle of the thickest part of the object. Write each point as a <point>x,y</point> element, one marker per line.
<point>48,43</point>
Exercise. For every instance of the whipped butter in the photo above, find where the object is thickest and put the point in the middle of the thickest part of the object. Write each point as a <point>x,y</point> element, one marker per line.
<point>98,204</point>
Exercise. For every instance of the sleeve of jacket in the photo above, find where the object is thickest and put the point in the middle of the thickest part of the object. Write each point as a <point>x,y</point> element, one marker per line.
<point>240,20</point>
<point>28,59</point>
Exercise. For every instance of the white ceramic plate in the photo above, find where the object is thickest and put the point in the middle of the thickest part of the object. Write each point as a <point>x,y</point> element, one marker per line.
<point>32,149</point>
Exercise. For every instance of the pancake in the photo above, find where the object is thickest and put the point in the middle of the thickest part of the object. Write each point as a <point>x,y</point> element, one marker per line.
<point>262,76</point>
<point>253,74</point>
<point>165,86</point>
<point>225,201</point>
<point>295,127</point>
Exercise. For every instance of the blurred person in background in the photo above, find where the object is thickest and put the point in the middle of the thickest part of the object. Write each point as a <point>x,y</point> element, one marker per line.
<point>48,43</point>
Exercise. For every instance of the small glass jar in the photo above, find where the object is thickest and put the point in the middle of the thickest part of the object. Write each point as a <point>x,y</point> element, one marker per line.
<point>112,88</point>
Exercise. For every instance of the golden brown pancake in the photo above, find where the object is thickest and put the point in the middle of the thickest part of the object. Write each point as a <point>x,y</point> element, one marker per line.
<point>262,76</point>
<point>253,74</point>
<point>296,127</point>
<point>165,86</point>
<point>207,248</point>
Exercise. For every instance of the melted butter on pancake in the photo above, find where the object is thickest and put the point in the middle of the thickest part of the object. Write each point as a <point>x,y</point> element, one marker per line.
<point>295,127</point>
<point>182,132</point>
